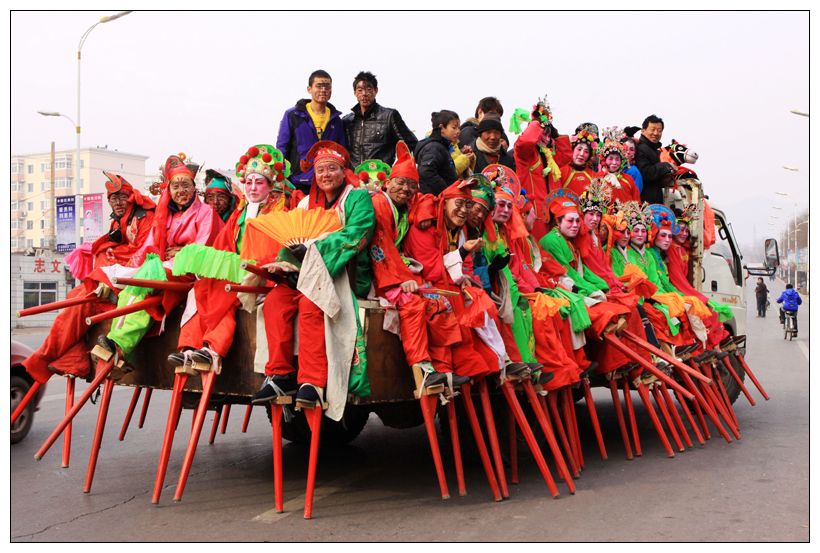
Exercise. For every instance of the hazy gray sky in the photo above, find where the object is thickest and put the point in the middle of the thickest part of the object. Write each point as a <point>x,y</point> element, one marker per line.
<point>213,83</point>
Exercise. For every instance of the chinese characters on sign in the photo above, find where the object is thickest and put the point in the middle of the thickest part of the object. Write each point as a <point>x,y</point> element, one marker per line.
<point>65,223</point>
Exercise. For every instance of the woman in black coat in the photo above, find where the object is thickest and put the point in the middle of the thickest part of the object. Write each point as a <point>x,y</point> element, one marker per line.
<point>761,295</point>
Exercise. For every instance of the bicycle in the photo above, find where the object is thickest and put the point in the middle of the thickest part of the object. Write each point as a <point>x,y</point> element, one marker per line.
<point>790,325</point>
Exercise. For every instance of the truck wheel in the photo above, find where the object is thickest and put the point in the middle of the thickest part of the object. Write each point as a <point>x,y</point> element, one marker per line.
<point>732,388</point>
<point>334,433</point>
<point>20,428</point>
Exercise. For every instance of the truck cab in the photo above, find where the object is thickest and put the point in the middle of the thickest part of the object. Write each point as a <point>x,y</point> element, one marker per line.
<point>722,274</point>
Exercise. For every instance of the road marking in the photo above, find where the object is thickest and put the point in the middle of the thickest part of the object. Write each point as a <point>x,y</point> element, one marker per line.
<point>805,349</point>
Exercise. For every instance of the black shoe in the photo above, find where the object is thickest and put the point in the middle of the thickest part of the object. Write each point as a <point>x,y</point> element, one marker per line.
<point>514,369</point>
<point>719,355</point>
<point>176,359</point>
<point>307,393</point>
<point>545,377</point>
<point>593,366</point>
<point>201,356</point>
<point>274,386</point>
<point>434,379</point>
<point>107,343</point>
<point>458,380</point>
<point>535,366</point>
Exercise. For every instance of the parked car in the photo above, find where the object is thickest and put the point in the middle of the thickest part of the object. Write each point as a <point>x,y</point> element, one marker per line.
<point>20,384</point>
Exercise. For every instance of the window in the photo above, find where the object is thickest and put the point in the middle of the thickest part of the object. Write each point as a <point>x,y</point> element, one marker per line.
<point>13,243</point>
<point>31,206</point>
<point>47,167</point>
<point>15,224</point>
<point>44,204</point>
<point>15,187</point>
<point>63,182</point>
<point>38,293</point>
<point>62,163</point>
<point>16,166</point>
<point>15,205</point>
<point>29,225</point>
<point>42,223</point>
<point>29,243</point>
<point>43,186</point>
<point>31,169</point>
<point>43,242</point>
<point>82,164</point>
<point>30,186</point>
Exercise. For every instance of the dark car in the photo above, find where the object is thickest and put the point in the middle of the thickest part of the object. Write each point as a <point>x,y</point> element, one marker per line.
<point>20,384</point>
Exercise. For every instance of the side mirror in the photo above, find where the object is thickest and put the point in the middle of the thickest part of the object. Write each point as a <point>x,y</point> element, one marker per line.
<point>771,253</point>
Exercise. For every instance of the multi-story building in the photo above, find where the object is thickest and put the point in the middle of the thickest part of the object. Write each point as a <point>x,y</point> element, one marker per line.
<point>31,198</point>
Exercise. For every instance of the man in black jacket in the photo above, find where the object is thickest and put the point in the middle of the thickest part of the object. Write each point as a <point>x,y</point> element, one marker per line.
<point>648,160</point>
<point>372,130</point>
<point>488,146</point>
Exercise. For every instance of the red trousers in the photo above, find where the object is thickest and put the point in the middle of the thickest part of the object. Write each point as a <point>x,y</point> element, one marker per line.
<point>195,334</point>
<point>64,348</point>
<point>282,306</point>
<point>553,349</point>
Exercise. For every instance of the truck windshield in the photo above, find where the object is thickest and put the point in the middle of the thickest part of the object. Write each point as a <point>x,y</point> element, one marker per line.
<point>726,248</point>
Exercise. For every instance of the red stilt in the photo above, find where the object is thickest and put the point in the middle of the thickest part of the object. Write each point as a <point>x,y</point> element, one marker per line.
<point>571,422</point>
<point>717,404</point>
<point>688,413</point>
<point>145,402</point>
<point>428,411</point>
<point>155,284</point>
<point>593,417</point>
<point>173,419</point>
<point>276,428</point>
<point>226,411</point>
<point>656,394</point>
<point>546,429</point>
<point>513,435</point>
<point>128,414</point>
<point>633,419</point>
<point>552,401</point>
<point>314,418</point>
<point>69,403</point>
<point>479,441</point>
<point>613,389</point>
<point>120,311</point>
<point>25,401</point>
<point>103,368</point>
<point>207,378</point>
<point>752,376</point>
<point>704,404</point>
<point>642,391</point>
<point>489,421</point>
<point>247,418</point>
<point>670,406</point>
<point>723,395</point>
<point>55,305</point>
<point>736,378</point>
<point>102,415</point>
<point>456,445</point>
<point>657,373</point>
<point>524,426</point>
<point>677,364</point>
<point>215,426</point>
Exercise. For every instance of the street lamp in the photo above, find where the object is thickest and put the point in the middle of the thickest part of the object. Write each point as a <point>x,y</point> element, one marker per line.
<point>104,19</point>
<point>799,112</point>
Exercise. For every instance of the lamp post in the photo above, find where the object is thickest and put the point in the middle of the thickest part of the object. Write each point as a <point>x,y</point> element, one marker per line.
<point>104,19</point>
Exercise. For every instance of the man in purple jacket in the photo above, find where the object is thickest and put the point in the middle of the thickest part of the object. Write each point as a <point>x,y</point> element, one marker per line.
<point>309,121</point>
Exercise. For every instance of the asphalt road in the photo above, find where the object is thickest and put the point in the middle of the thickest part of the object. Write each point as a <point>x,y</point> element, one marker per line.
<point>382,487</point>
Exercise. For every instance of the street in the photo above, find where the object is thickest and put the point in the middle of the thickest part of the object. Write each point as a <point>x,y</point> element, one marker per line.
<point>382,487</point>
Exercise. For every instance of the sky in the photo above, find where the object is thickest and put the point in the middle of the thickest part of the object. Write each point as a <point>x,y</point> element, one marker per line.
<point>211,84</point>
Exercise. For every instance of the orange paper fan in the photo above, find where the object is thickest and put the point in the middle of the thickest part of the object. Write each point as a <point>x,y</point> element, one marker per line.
<point>288,228</point>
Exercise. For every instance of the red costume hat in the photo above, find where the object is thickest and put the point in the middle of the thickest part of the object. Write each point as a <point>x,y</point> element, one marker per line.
<point>174,165</point>
<point>325,150</point>
<point>405,164</point>
<point>561,202</point>
<point>116,183</point>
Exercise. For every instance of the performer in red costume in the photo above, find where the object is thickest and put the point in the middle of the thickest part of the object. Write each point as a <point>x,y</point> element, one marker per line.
<point>64,350</point>
<point>576,175</point>
<point>614,162</point>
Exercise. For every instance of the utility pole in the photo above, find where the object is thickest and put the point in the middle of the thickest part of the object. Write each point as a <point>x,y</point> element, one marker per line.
<point>53,217</point>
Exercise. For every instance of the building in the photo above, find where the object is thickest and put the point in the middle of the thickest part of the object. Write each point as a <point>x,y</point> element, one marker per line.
<point>32,208</point>
<point>35,280</point>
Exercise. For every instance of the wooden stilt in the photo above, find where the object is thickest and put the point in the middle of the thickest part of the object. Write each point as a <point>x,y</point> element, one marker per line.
<point>102,415</point>
<point>428,411</point>
<point>644,393</point>
<point>513,448</point>
<point>276,429</point>
<point>524,426</point>
<point>616,402</point>
<point>226,412</point>
<point>32,391</point>
<point>215,425</point>
<point>456,446</point>
<point>571,423</point>
<point>103,368</point>
<point>593,417</point>
<point>633,419</point>
<point>670,406</point>
<point>724,396</point>
<point>558,425</point>
<point>69,403</point>
<point>703,404</point>
<point>492,436</point>
<point>752,376</point>
<point>247,418</point>
<point>208,378</point>
<point>128,414</point>
<point>145,402</point>
<point>549,434</point>
<point>736,378</point>
<point>716,404</point>
<point>657,373</point>
<point>170,426</point>
<point>479,441</point>
<point>688,414</point>
<point>670,424</point>
<point>314,418</point>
